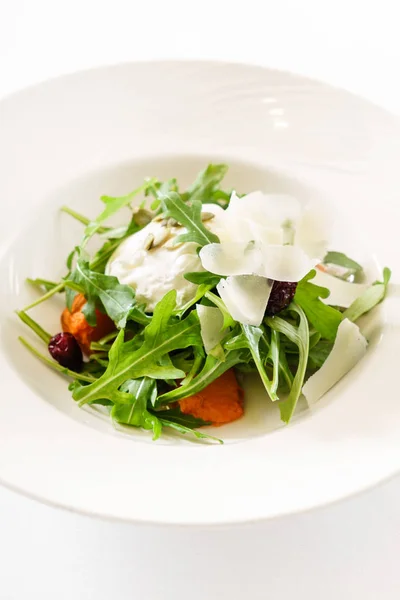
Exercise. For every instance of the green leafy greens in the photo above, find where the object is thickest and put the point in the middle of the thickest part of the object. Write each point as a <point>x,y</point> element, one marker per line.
<point>369,299</point>
<point>322,317</point>
<point>117,300</point>
<point>206,187</point>
<point>150,362</point>
<point>300,337</point>
<point>188,215</point>
<point>161,336</point>
<point>341,260</point>
<point>112,206</point>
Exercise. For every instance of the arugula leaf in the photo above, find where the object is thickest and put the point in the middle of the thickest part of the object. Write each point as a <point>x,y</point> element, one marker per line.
<point>273,356</point>
<point>100,359</point>
<point>284,368</point>
<point>177,416</point>
<point>43,283</point>
<point>73,286</point>
<point>222,198</point>
<point>201,292</point>
<point>207,183</point>
<point>70,258</point>
<point>267,351</point>
<point>204,277</point>
<point>318,354</point>
<point>102,256</point>
<point>136,413</point>
<point>40,332</point>
<point>126,361</point>
<point>109,337</point>
<point>323,318</point>
<point>190,217</point>
<point>315,337</point>
<point>81,218</point>
<point>368,299</point>
<point>112,205</point>
<point>138,315</point>
<point>299,336</point>
<point>341,260</point>
<point>219,303</point>
<point>253,336</point>
<point>183,359</point>
<point>161,188</point>
<point>165,372</point>
<point>140,218</point>
<point>172,371</point>
<point>183,429</point>
<point>205,188</point>
<point>54,365</point>
<point>195,366</point>
<point>101,403</point>
<point>211,370</point>
<point>55,290</point>
<point>118,300</point>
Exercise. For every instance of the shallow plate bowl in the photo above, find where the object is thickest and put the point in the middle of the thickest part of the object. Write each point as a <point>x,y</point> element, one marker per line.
<point>100,132</point>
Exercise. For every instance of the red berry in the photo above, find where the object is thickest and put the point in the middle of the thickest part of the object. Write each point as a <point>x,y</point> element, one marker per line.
<point>282,294</point>
<point>64,348</point>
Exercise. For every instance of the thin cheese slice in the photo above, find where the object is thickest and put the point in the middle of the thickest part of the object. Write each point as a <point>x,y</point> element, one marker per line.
<point>246,297</point>
<point>349,347</point>
<point>315,228</point>
<point>211,323</point>
<point>286,263</point>
<point>273,261</point>
<point>272,209</point>
<point>231,258</point>
<point>342,293</point>
<point>261,217</point>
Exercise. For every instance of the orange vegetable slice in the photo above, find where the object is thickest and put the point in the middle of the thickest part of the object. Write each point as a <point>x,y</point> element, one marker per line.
<point>219,403</point>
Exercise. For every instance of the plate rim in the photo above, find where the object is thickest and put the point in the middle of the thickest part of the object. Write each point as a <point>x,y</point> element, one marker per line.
<point>6,243</point>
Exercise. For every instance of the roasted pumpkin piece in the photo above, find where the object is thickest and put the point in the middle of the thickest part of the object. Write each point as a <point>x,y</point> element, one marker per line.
<point>219,403</point>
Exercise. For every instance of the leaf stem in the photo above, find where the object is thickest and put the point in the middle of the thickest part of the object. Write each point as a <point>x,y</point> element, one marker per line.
<point>253,335</point>
<point>299,336</point>
<point>104,256</point>
<point>48,285</point>
<point>195,432</point>
<point>44,335</point>
<point>201,291</point>
<point>81,218</point>
<point>58,288</point>
<point>193,371</point>
<point>100,347</point>
<point>108,338</point>
<point>284,367</point>
<point>219,303</point>
<point>100,359</point>
<point>274,355</point>
<point>54,365</point>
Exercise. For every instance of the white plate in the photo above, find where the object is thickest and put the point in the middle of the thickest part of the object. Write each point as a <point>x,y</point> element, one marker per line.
<point>71,140</point>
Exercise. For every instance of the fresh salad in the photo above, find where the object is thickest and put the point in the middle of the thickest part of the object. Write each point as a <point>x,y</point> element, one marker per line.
<point>166,312</point>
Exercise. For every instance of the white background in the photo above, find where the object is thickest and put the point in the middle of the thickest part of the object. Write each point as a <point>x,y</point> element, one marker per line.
<point>347,551</point>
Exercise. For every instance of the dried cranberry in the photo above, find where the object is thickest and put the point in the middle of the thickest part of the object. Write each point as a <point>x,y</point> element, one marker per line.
<point>64,348</point>
<point>282,294</point>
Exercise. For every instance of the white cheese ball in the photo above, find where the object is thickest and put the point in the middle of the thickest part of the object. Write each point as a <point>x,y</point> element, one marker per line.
<point>154,272</point>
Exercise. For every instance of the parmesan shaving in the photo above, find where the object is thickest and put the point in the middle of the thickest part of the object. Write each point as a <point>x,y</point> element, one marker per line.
<point>246,297</point>
<point>349,348</point>
<point>273,261</point>
<point>211,323</point>
<point>342,293</point>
